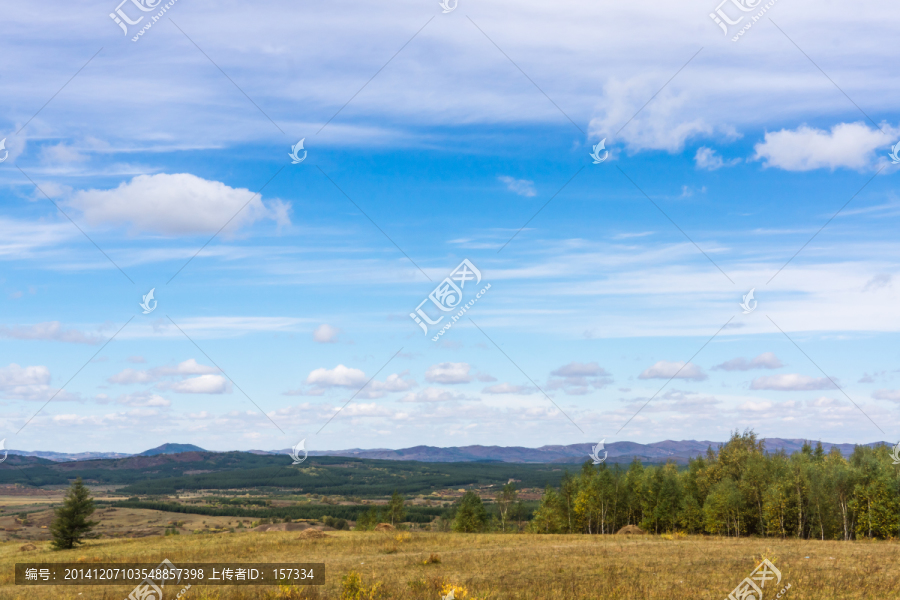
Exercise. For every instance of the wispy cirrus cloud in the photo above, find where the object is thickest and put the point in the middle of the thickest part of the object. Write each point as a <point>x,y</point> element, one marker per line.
<point>522,187</point>
<point>49,331</point>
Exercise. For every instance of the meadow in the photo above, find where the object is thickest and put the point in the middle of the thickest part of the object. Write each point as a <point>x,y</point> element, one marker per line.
<point>420,565</point>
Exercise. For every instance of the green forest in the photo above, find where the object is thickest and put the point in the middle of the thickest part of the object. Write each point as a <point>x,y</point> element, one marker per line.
<point>367,478</point>
<point>740,490</point>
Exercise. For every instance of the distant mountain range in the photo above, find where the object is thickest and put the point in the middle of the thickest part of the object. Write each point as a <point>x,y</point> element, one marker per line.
<point>618,452</point>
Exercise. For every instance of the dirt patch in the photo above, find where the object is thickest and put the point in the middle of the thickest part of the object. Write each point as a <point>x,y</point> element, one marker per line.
<point>631,530</point>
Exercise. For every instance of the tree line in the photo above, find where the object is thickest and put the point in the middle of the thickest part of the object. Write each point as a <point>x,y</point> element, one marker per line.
<point>740,490</point>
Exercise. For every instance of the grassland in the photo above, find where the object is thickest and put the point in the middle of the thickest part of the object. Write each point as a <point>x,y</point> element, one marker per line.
<point>496,566</point>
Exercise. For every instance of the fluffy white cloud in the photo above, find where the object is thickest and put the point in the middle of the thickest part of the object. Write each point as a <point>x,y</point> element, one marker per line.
<point>204,384</point>
<point>325,334</point>
<point>14,375</point>
<point>766,360</point>
<point>448,372</point>
<point>678,370</point>
<point>176,204</point>
<point>50,330</point>
<point>522,187</point>
<point>28,383</point>
<point>394,383</point>
<point>791,382</point>
<point>850,145</point>
<point>709,159</point>
<point>340,376</point>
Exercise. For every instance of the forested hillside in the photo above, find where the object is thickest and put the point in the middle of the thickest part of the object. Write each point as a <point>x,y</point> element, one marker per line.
<point>738,491</point>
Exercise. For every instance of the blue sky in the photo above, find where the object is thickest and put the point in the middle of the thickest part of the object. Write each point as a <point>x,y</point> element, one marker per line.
<point>615,288</point>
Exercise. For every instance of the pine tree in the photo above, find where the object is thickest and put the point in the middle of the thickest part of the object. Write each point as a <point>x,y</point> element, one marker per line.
<point>71,525</point>
<point>471,515</point>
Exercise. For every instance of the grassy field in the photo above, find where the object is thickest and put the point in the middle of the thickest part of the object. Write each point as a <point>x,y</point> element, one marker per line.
<point>495,566</point>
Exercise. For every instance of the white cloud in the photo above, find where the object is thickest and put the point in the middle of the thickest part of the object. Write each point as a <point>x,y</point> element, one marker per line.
<point>204,384</point>
<point>394,383</point>
<point>756,406</point>
<point>176,204</point>
<point>129,376</point>
<point>893,395</point>
<point>431,394</point>
<point>850,145</point>
<point>766,360</point>
<point>577,369</point>
<point>29,383</point>
<point>448,372</point>
<point>678,370</point>
<point>325,334</point>
<point>576,378</point>
<point>881,280</point>
<point>14,375</point>
<point>340,376</point>
<point>825,402</point>
<point>143,399</point>
<point>662,124</point>
<point>361,409</point>
<point>50,330</point>
<point>626,236</point>
<point>522,187</point>
<point>189,367</point>
<point>508,388</point>
<point>709,159</point>
<point>791,382</point>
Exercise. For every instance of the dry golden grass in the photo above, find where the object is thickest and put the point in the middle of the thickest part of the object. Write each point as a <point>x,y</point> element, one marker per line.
<point>495,566</point>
